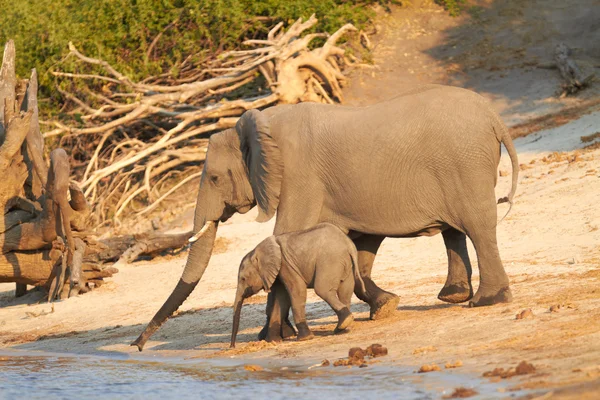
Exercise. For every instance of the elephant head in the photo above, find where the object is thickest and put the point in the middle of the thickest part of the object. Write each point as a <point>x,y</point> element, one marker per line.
<point>258,270</point>
<point>243,168</point>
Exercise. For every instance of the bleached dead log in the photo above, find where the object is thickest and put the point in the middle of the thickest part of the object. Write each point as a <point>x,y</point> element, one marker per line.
<point>575,80</point>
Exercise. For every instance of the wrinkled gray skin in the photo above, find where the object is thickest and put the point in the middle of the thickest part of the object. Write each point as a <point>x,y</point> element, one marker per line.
<point>422,163</point>
<point>321,257</point>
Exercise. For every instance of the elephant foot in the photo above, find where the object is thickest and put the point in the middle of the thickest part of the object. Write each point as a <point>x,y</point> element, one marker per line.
<point>262,335</point>
<point>274,333</point>
<point>384,306</point>
<point>456,293</point>
<point>287,331</point>
<point>490,297</point>
<point>304,332</point>
<point>345,319</point>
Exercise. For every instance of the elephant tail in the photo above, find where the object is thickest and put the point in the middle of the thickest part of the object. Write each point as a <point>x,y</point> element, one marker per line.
<point>357,277</point>
<point>504,137</point>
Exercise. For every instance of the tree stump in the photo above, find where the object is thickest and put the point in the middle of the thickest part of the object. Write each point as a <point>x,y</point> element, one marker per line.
<point>44,239</point>
<point>575,80</point>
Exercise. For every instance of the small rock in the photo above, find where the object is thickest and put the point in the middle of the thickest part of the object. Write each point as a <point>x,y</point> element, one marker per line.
<point>356,352</point>
<point>499,373</point>
<point>555,308</point>
<point>428,368</point>
<point>377,350</point>
<point>253,368</point>
<point>325,363</point>
<point>494,372</point>
<point>527,313</point>
<point>455,364</point>
<point>356,361</point>
<point>363,366</point>
<point>461,393</point>
<point>341,362</point>
<point>524,368</point>
<point>503,173</point>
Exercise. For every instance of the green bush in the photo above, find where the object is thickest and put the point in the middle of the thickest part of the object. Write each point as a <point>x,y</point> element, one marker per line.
<point>454,7</point>
<point>121,31</point>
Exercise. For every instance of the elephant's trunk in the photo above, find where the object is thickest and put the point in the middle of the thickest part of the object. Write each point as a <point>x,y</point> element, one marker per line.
<point>239,301</point>
<point>197,261</point>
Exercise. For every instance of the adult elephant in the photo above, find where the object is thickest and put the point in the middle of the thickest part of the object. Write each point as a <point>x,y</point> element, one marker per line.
<point>420,164</point>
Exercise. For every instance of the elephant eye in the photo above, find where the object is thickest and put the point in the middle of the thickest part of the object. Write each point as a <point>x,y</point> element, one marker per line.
<point>214,179</point>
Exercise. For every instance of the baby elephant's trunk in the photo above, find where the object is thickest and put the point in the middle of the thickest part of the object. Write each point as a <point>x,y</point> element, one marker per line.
<point>239,301</point>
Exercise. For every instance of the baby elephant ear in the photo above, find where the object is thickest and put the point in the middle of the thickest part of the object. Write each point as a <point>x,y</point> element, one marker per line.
<point>268,255</point>
<point>263,160</point>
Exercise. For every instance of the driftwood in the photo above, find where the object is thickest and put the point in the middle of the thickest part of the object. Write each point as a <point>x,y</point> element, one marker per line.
<point>44,235</point>
<point>575,80</point>
<point>145,140</point>
<point>36,267</point>
<point>40,207</point>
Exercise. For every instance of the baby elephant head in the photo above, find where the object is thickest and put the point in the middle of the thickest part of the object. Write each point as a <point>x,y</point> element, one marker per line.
<point>258,270</point>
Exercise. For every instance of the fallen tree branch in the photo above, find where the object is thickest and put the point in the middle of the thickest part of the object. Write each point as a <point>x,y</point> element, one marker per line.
<point>167,113</point>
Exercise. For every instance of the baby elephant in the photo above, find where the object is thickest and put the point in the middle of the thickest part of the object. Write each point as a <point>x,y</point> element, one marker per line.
<point>322,257</point>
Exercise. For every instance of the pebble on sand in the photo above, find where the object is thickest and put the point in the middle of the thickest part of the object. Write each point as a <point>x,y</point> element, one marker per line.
<point>455,364</point>
<point>527,313</point>
<point>428,368</point>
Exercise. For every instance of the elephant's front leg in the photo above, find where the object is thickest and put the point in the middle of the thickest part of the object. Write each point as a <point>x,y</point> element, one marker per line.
<point>382,303</point>
<point>278,325</point>
<point>296,289</point>
<point>458,286</point>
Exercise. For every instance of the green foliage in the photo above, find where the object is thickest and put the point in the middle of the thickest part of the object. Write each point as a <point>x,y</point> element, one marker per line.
<point>454,7</point>
<point>122,31</point>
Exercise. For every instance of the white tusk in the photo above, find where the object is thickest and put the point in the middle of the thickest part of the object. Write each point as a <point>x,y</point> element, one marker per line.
<point>201,231</point>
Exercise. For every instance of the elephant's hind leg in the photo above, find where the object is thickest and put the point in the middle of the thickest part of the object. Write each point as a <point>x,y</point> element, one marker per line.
<point>324,290</point>
<point>382,303</point>
<point>458,286</point>
<point>493,281</point>
<point>344,293</point>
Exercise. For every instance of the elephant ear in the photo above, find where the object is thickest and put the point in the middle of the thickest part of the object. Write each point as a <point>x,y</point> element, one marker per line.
<point>263,160</point>
<point>268,255</point>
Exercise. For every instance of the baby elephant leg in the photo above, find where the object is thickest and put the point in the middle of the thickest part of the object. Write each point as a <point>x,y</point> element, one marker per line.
<point>296,289</point>
<point>341,305</point>
<point>299,310</point>
<point>345,292</point>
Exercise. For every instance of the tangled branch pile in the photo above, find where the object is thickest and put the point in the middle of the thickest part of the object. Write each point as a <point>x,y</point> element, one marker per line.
<point>137,143</point>
<point>45,238</point>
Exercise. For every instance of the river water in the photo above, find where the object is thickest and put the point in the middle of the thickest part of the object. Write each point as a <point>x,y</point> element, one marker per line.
<point>58,376</point>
